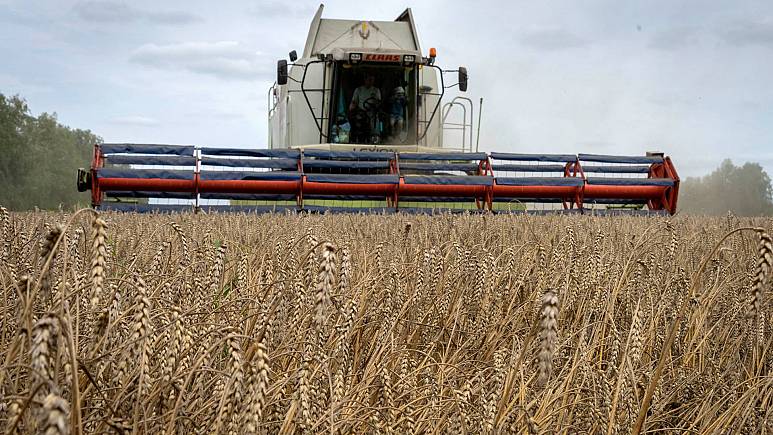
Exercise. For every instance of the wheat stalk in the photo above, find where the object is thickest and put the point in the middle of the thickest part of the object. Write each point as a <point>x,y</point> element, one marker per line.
<point>548,334</point>
<point>762,272</point>
<point>325,283</point>
<point>259,377</point>
<point>98,254</point>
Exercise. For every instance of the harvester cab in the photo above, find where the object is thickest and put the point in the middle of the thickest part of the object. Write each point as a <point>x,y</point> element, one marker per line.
<point>360,85</point>
<point>357,123</point>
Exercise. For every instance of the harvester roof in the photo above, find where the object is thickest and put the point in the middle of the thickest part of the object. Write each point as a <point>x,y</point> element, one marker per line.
<point>329,35</point>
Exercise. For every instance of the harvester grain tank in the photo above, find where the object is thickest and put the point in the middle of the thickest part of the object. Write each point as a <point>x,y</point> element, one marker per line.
<point>361,121</point>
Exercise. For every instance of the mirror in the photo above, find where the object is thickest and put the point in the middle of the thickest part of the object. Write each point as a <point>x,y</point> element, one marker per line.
<point>293,56</point>
<point>281,72</point>
<point>462,79</point>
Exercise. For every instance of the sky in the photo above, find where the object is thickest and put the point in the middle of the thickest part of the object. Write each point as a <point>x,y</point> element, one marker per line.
<point>693,79</point>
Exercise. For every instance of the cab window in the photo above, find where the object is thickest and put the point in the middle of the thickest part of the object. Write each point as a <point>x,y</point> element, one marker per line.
<point>374,104</point>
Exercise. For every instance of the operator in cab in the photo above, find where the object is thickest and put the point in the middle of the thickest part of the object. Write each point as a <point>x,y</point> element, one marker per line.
<point>367,91</point>
<point>363,111</point>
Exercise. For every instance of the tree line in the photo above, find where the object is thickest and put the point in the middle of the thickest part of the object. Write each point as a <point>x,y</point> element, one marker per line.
<point>39,158</point>
<point>743,190</point>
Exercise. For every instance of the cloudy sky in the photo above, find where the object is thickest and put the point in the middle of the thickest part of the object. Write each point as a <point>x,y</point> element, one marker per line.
<point>691,78</point>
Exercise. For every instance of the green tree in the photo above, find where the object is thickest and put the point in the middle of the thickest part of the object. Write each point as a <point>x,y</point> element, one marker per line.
<point>39,158</point>
<point>744,190</point>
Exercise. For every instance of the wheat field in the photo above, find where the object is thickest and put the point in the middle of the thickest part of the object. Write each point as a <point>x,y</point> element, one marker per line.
<point>399,324</point>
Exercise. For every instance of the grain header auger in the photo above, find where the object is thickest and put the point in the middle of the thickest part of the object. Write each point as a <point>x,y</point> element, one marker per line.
<point>359,122</point>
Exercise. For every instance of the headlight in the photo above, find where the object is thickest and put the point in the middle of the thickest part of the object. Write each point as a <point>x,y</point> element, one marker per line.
<point>355,57</point>
<point>409,58</point>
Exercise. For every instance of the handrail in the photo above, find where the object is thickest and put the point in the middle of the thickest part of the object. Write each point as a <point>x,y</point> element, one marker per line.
<point>446,110</point>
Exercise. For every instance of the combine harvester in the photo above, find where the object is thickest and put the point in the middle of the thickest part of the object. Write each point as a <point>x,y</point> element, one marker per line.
<point>358,122</point>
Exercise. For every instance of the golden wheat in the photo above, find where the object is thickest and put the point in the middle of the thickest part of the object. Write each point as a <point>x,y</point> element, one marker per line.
<point>270,324</point>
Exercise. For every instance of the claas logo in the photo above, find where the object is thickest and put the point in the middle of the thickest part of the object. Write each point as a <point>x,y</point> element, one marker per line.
<point>382,58</point>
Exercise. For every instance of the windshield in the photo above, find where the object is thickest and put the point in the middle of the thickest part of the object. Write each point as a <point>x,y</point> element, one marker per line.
<point>374,104</point>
